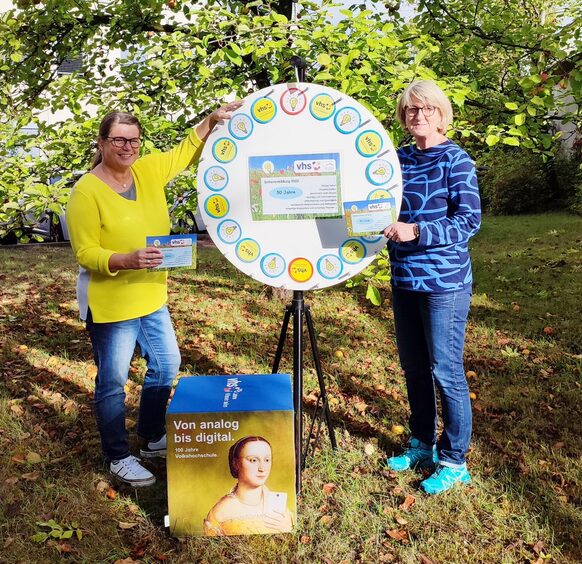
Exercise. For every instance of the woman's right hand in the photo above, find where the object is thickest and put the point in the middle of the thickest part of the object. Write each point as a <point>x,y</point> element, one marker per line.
<point>148,257</point>
<point>224,112</point>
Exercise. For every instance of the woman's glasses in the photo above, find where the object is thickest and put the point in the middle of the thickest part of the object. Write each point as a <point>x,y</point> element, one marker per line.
<point>427,111</point>
<point>120,142</point>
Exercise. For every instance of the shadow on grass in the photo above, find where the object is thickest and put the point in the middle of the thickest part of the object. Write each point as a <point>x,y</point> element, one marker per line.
<point>519,415</point>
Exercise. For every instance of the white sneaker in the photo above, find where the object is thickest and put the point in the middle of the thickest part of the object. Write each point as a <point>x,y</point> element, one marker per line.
<point>129,471</point>
<point>154,448</point>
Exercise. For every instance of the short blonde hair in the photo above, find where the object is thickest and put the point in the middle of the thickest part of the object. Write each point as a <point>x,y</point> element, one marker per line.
<point>427,92</point>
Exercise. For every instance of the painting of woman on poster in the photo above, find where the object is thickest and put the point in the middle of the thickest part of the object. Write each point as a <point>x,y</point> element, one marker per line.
<point>249,507</point>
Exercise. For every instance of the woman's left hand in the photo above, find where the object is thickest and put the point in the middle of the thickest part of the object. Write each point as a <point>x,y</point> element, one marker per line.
<point>280,522</point>
<point>400,232</point>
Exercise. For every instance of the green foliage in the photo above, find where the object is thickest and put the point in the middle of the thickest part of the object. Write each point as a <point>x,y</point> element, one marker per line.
<point>566,174</point>
<point>517,182</point>
<point>519,58</point>
<point>52,530</point>
<point>170,62</point>
<point>375,274</point>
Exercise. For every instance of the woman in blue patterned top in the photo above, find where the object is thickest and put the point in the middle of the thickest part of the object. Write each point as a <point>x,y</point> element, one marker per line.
<point>431,285</point>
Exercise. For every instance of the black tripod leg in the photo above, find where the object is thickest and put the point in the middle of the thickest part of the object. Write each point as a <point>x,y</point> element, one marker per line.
<point>298,309</point>
<point>282,337</point>
<point>322,391</point>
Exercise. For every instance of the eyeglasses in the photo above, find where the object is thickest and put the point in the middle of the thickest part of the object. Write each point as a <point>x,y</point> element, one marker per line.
<point>120,142</point>
<point>427,111</point>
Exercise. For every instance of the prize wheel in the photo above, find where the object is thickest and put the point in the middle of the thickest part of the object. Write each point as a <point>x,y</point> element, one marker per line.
<point>273,179</point>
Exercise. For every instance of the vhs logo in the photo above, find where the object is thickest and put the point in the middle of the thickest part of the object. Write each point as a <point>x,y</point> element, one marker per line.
<point>321,165</point>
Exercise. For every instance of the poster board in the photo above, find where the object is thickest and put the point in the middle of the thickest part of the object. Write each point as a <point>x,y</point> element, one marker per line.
<point>210,416</point>
<point>272,181</point>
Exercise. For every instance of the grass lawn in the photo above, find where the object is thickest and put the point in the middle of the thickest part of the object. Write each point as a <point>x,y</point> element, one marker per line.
<point>523,360</point>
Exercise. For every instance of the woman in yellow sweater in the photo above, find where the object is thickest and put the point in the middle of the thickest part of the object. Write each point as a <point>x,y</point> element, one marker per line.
<point>112,210</point>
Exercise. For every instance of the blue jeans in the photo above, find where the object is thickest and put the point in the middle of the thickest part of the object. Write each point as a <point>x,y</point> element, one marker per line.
<point>113,348</point>
<point>430,335</point>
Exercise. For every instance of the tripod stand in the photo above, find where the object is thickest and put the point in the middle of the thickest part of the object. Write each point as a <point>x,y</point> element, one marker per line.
<point>298,309</point>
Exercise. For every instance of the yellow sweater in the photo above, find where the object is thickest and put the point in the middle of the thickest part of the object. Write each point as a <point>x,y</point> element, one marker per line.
<point>101,223</point>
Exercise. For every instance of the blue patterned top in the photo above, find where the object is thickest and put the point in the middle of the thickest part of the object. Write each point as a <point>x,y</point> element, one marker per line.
<point>441,195</point>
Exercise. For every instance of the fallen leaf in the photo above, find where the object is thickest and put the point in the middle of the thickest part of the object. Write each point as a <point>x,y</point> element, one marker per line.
<point>361,406</point>
<point>559,445</point>
<point>305,539</point>
<point>17,410</point>
<point>124,525</point>
<point>8,542</point>
<point>311,398</point>
<point>33,458</point>
<point>101,486</point>
<point>400,520</point>
<point>12,480</point>
<point>111,493</point>
<point>408,502</point>
<point>538,547</point>
<point>30,476</point>
<point>329,488</point>
<point>64,547</point>
<point>359,471</point>
<point>69,407</point>
<point>18,458</point>
<point>425,559</point>
<point>398,534</point>
<point>133,508</point>
<point>333,402</point>
<point>326,520</point>
<point>369,449</point>
<point>397,429</point>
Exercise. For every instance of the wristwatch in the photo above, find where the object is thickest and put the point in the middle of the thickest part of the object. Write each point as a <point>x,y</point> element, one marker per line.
<point>416,231</point>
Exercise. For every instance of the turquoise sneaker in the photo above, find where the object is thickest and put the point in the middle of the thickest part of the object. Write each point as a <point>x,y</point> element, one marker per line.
<point>413,457</point>
<point>444,478</point>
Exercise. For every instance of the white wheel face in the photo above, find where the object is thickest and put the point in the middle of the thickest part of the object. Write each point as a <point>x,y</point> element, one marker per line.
<point>273,179</point>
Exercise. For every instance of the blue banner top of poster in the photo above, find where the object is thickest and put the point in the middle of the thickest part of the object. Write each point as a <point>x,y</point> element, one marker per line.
<point>239,392</point>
